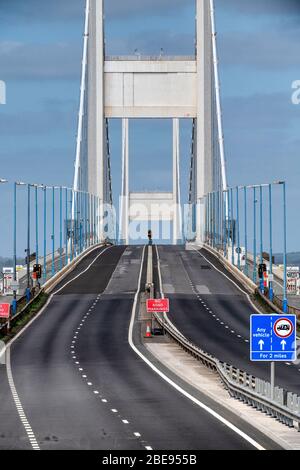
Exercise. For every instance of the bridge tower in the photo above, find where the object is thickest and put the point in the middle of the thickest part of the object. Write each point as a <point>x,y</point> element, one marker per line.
<point>149,87</point>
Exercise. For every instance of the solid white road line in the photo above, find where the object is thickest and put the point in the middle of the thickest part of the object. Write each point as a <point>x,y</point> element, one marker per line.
<point>209,410</point>
<point>84,271</point>
<point>15,395</point>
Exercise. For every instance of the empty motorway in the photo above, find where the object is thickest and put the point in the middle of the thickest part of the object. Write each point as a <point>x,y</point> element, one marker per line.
<point>78,377</point>
<point>213,312</point>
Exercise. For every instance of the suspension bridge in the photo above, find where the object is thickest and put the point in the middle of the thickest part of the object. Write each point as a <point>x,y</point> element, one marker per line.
<point>94,369</point>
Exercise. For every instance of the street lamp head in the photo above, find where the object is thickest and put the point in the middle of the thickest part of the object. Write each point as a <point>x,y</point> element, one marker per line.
<point>20,183</point>
<point>2,181</point>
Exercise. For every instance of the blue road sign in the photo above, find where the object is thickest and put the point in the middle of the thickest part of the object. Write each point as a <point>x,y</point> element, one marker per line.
<point>273,338</point>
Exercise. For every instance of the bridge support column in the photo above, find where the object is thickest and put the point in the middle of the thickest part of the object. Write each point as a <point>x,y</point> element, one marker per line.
<point>177,218</point>
<point>204,159</point>
<point>95,104</point>
<point>124,200</point>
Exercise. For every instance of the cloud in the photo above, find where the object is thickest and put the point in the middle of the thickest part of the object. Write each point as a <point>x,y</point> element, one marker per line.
<point>53,118</point>
<point>259,138</point>
<point>256,7</point>
<point>119,9</point>
<point>151,42</point>
<point>61,10</point>
<point>33,61</point>
<point>261,112</point>
<point>260,49</point>
<point>37,10</point>
<point>47,164</point>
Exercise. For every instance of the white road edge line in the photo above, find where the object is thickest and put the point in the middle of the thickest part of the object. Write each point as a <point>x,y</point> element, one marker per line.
<point>233,282</point>
<point>15,395</point>
<point>173,384</point>
<point>22,416</point>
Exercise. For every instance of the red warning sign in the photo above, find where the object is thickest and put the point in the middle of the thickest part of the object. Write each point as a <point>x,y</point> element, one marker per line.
<point>4,310</point>
<point>157,305</point>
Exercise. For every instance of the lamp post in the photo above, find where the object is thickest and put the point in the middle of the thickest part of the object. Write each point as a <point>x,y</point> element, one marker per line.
<point>14,302</point>
<point>53,229</point>
<point>261,281</point>
<point>208,219</point>
<point>271,293</point>
<point>224,223</point>
<point>28,288</point>
<point>228,221</point>
<point>45,232</point>
<point>95,224</point>
<point>60,226</point>
<point>284,301</point>
<point>36,187</point>
<point>85,221</point>
<point>213,219</point>
<point>3,181</point>
<point>36,225</point>
<point>232,227</point>
<point>72,223</point>
<point>246,230</point>
<point>254,235</point>
<point>66,227</point>
<point>238,227</point>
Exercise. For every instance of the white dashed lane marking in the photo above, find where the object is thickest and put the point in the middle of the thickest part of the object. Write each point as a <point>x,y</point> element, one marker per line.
<point>210,311</point>
<point>84,376</point>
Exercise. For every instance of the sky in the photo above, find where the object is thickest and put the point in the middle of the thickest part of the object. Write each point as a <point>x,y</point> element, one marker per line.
<point>40,62</point>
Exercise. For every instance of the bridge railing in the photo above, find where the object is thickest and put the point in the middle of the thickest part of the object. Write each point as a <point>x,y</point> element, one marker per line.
<point>56,224</point>
<point>278,403</point>
<point>240,224</point>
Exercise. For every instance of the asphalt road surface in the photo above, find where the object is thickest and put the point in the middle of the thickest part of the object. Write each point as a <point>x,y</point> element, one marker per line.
<point>213,313</point>
<point>82,386</point>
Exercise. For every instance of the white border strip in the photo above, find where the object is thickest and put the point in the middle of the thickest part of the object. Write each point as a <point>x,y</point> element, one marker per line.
<point>173,384</point>
<point>20,410</point>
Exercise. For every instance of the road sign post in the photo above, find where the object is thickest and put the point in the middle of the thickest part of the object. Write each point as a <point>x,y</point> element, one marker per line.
<point>158,306</point>
<point>273,339</point>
